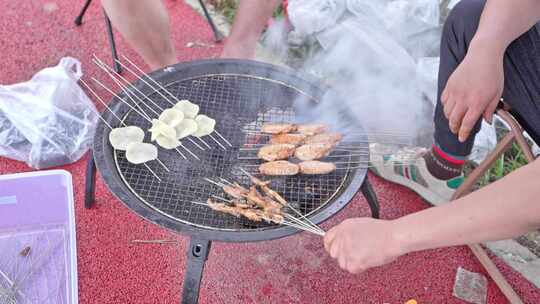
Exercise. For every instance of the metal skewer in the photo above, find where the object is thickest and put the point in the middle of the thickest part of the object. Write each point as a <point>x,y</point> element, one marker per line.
<point>217,142</point>
<point>285,223</point>
<point>160,87</point>
<point>207,145</point>
<point>289,206</point>
<point>308,225</point>
<point>118,97</point>
<point>196,144</point>
<point>122,123</point>
<point>111,72</point>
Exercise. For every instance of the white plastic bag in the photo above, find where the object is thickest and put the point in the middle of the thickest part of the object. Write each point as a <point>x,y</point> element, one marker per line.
<point>47,121</point>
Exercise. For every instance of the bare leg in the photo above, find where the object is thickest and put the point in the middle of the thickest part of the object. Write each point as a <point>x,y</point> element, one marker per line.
<point>249,22</point>
<point>145,25</point>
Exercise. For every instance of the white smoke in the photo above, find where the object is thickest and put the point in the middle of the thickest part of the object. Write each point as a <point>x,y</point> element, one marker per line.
<point>369,53</point>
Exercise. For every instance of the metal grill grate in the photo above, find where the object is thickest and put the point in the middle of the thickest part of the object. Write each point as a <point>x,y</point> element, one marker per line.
<point>238,103</point>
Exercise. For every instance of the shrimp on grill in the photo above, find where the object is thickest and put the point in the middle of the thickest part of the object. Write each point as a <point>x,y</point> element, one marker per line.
<point>314,167</point>
<point>280,167</point>
<point>236,191</point>
<point>221,207</point>
<point>268,191</point>
<point>278,128</point>
<point>288,138</point>
<point>276,152</point>
<point>312,151</point>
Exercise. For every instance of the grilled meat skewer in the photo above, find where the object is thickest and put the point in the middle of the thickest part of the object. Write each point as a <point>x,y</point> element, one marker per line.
<point>280,167</point>
<point>276,152</point>
<point>312,129</point>
<point>287,138</point>
<point>312,151</point>
<point>276,128</point>
<point>313,167</point>
<point>325,138</point>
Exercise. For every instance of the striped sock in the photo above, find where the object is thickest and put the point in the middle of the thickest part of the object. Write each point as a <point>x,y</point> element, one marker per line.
<point>442,165</point>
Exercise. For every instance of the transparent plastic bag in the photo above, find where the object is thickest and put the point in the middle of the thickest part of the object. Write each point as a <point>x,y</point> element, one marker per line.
<point>47,121</point>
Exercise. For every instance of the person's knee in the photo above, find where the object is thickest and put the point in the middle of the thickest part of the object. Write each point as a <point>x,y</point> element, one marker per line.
<point>466,11</point>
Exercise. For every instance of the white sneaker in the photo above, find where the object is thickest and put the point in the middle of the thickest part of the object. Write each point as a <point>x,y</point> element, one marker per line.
<point>408,168</point>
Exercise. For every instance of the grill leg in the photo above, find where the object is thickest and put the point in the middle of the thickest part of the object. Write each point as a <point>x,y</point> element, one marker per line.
<point>371,198</point>
<point>197,255</point>
<point>218,36</point>
<point>89,190</point>
<point>78,20</point>
<point>110,33</point>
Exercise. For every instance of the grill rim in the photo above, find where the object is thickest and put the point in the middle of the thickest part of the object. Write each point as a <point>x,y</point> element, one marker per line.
<point>104,158</point>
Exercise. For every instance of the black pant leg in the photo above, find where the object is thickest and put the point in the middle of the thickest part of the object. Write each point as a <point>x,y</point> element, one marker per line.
<point>521,71</point>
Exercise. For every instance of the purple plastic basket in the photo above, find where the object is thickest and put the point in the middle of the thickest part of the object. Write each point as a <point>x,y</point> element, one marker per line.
<point>38,255</point>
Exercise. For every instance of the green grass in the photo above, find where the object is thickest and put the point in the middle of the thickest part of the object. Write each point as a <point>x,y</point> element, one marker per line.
<point>508,162</point>
<point>228,9</point>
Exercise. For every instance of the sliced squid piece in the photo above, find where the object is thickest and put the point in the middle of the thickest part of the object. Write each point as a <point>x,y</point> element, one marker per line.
<point>160,128</point>
<point>172,117</point>
<point>186,128</point>
<point>189,109</point>
<point>138,153</point>
<point>205,125</point>
<point>167,143</point>
<point>120,138</point>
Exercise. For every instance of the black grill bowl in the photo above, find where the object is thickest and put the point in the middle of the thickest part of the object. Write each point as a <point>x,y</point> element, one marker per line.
<point>240,95</point>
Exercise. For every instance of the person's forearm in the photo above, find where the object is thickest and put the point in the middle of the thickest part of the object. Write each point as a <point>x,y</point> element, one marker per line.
<point>504,209</point>
<point>503,21</point>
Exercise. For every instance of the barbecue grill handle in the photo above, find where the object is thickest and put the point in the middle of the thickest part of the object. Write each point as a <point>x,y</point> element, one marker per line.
<point>197,253</point>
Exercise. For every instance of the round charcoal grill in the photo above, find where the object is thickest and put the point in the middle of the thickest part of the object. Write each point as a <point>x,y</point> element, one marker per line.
<point>240,95</point>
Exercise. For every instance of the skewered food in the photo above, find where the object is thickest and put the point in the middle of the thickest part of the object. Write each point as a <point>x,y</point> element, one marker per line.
<point>221,207</point>
<point>280,167</point>
<point>236,191</point>
<point>286,138</point>
<point>120,138</point>
<point>312,129</point>
<point>138,153</point>
<point>167,143</point>
<point>189,109</point>
<point>312,151</point>
<point>313,167</point>
<point>171,117</point>
<point>276,152</point>
<point>186,128</point>
<point>160,128</point>
<point>268,191</point>
<point>325,138</point>
<point>277,128</point>
<point>205,125</point>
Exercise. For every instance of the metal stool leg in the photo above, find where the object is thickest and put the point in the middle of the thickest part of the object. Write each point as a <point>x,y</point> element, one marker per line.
<point>79,19</point>
<point>89,189</point>
<point>371,198</point>
<point>218,36</point>
<point>110,33</point>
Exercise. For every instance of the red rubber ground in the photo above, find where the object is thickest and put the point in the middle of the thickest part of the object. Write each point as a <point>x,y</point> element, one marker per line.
<point>35,34</point>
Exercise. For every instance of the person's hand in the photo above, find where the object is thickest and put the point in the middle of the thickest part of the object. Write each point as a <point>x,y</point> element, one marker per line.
<point>361,243</point>
<point>474,89</point>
